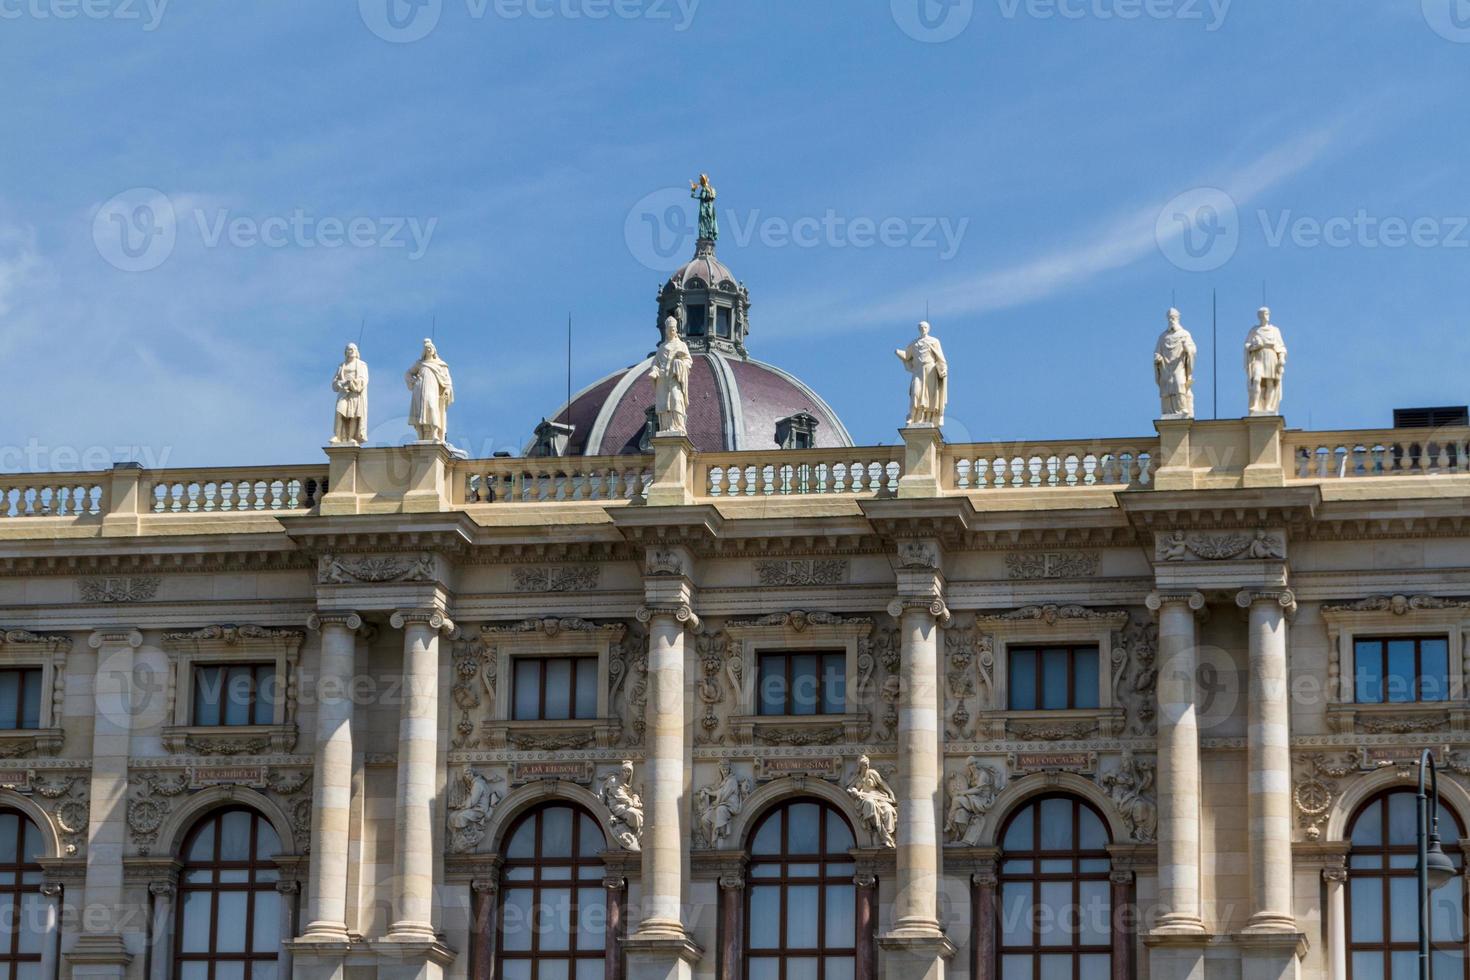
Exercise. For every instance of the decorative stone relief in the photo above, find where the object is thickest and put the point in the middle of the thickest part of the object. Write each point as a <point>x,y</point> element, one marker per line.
<point>1399,605</point>
<point>625,807</point>
<point>918,554</point>
<point>886,651</point>
<point>1052,732</point>
<point>1027,565</point>
<point>1182,546</point>
<point>473,690</point>
<point>471,801</point>
<point>969,677</point>
<point>120,588</point>
<point>352,569</point>
<point>557,578</point>
<point>149,806</point>
<point>1129,787</point>
<point>66,798</point>
<point>153,795</point>
<point>1316,788</point>
<point>628,682</point>
<point>721,678</point>
<point>801,572</point>
<point>1135,674</point>
<point>1051,614</point>
<point>717,805</point>
<point>665,562</point>
<point>876,803</point>
<point>972,791</point>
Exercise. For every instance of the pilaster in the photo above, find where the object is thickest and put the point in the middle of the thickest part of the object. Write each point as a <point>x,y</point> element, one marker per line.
<point>921,468</point>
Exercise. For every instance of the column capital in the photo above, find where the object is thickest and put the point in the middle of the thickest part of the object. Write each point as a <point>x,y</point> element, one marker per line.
<point>318,621</point>
<point>682,614</point>
<point>933,605</point>
<point>615,883</point>
<point>1335,874</point>
<point>1157,600</point>
<point>435,619</point>
<point>51,889</point>
<point>1246,598</point>
<point>985,879</point>
<point>115,636</point>
<point>730,882</point>
<point>1121,876</point>
<point>161,889</point>
<point>288,886</point>
<point>485,886</point>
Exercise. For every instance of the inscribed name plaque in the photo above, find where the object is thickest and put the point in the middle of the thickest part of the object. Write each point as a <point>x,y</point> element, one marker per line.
<point>1026,762</point>
<point>572,772</point>
<point>18,780</point>
<point>202,777</point>
<point>822,767</point>
<point>1397,756</point>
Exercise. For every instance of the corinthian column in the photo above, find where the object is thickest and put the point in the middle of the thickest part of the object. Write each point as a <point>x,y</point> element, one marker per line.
<point>326,909</point>
<point>418,763</point>
<point>1268,747</point>
<point>1179,779</point>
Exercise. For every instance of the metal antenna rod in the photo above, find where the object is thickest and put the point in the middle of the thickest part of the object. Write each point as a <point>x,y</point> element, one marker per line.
<point>1215,347</point>
<point>360,328</point>
<point>569,366</point>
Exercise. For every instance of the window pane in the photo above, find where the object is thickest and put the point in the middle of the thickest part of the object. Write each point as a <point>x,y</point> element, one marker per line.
<point>804,679</point>
<point>9,698</point>
<point>1405,966</point>
<point>523,841</point>
<point>1058,917</point>
<point>764,968</point>
<point>768,838</point>
<point>590,970</point>
<point>1054,679</point>
<point>234,839</point>
<point>267,844</point>
<point>1018,834</point>
<point>765,917</point>
<point>806,827</point>
<point>9,837</point>
<point>839,968</point>
<point>556,832</point>
<point>1015,914</point>
<point>1056,824</point>
<point>558,689</point>
<point>1434,675</point>
<point>1056,968</point>
<point>1094,834</point>
<point>1015,968</point>
<point>1368,671</point>
<point>840,910</point>
<point>1096,966</point>
<point>586,688</point>
<point>264,970</point>
<point>230,927</point>
<point>801,916</point>
<point>194,971</point>
<point>839,836</point>
<point>229,971</point>
<point>1368,830</point>
<point>266,692</point>
<point>1368,964</point>
<point>1401,675</point>
<point>195,934</point>
<point>591,917</point>
<point>589,838</point>
<point>266,926</point>
<point>1447,923</point>
<point>1086,683</point>
<point>32,921</point>
<point>1444,964</point>
<point>527,689</point>
<point>517,969</point>
<point>516,920</point>
<point>1402,819</point>
<point>834,683</point>
<point>207,684</point>
<point>1403,910</point>
<point>1367,916</point>
<point>801,968</point>
<point>772,685</point>
<point>1022,680</point>
<point>549,969</point>
<point>30,701</point>
<point>553,922</point>
<point>1094,917</point>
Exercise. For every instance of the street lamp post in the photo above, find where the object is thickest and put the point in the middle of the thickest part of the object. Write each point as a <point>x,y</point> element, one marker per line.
<point>1435,868</point>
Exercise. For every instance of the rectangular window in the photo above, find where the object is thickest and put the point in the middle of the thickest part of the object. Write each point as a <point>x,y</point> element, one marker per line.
<point>696,322</point>
<point>235,694</point>
<point>20,698</point>
<point>1399,669</point>
<point>722,321</point>
<point>1053,678</point>
<point>554,688</point>
<point>802,683</point>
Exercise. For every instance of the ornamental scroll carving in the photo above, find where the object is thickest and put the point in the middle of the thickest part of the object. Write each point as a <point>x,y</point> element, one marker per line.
<point>1316,787</point>
<point>720,683</point>
<point>374,569</point>
<point>801,572</point>
<point>1135,675</point>
<point>1028,565</point>
<point>1398,605</point>
<point>556,578</point>
<point>475,672</point>
<point>969,678</point>
<point>120,588</point>
<point>65,798</point>
<point>886,653</point>
<point>627,668</point>
<point>153,796</point>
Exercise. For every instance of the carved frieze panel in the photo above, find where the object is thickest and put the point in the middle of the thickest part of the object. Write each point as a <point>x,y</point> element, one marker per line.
<point>1028,565</point>
<point>801,572</point>
<point>375,569</point>
<point>119,588</point>
<point>969,679</point>
<point>1219,546</point>
<point>556,578</point>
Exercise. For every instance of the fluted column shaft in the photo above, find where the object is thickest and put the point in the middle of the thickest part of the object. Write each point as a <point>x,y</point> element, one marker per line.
<point>1268,748</point>
<point>418,752</point>
<point>332,784</point>
<point>663,774</point>
<point>1179,777</point>
<point>916,781</point>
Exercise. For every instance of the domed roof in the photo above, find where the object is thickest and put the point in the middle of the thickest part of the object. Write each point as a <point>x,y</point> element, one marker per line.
<point>734,403</point>
<point>703,269</point>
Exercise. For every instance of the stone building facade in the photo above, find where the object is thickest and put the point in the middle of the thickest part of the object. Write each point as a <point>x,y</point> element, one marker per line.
<point>1068,709</point>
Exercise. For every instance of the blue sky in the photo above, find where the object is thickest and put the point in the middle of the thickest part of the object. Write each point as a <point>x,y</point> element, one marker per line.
<point>512,164</point>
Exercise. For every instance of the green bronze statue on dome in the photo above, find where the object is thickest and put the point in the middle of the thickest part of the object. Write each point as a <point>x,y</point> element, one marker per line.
<point>704,193</point>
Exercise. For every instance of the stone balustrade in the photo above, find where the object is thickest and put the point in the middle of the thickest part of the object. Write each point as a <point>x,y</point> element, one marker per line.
<point>276,488</point>
<point>1002,466</point>
<point>870,472</point>
<point>555,479</point>
<point>1377,453</point>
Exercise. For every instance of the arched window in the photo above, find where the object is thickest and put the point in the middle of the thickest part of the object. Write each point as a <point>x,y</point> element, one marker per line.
<point>22,922</point>
<point>801,911</point>
<point>229,912</point>
<point>1055,907</point>
<point>553,916</point>
<point>1383,888</point>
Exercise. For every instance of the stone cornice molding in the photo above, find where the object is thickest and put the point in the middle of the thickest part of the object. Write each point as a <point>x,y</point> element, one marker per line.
<point>1246,598</point>
<point>229,557</point>
<point>225,636</point>
<point>1396,605</point>
<point>1052,613</point>
<point>117,636</point>
<point>681,612</point>
<point>435,619</point>
<point>799,621</point>
<point>933,605</point>
<point>1288,508</point>
<point>50,642</point>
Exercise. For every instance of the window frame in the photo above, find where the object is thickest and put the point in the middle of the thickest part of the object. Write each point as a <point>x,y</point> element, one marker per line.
<point>23,685</point>
<point>21,650</point>
<point>578,664</point>
<point>789,657</point>
<point>13,888</point>
<point>252,886</point>
<point>799,632</point>
<point>1034,626</point>
<point>538,864</point>
<point>825,860</point>
<point>1036,878</point>
<point>1383,641</point>
<point>227,646</point>
<point>1385,874</point>
<point>254,703</point>
<point>1038,671</point>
